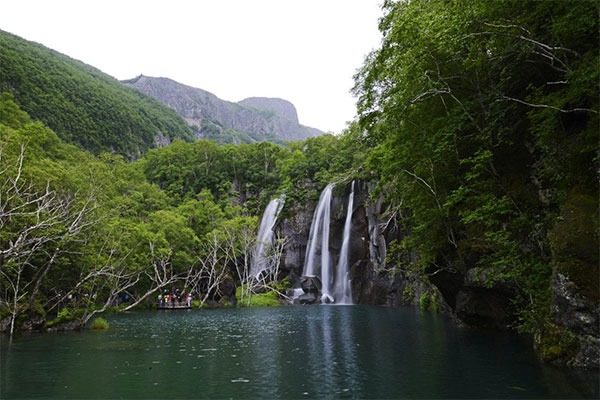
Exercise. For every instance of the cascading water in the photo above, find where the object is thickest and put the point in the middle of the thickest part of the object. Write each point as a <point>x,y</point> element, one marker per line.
<point>318,245</point>
<point>336,287</point>
<point>342,292</point>
<point>262,260</point>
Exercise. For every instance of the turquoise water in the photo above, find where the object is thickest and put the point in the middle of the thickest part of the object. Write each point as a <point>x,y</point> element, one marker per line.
<point>284,352</point>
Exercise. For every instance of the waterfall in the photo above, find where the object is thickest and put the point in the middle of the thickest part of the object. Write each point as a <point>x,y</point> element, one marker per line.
<point>262,259</point>
<point>335,280</point>
<point>342,290</point>
<point>315,247</point>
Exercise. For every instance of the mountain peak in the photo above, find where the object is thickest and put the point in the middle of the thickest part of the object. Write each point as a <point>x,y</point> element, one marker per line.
<point>281,107</point>
<point>253,119</point>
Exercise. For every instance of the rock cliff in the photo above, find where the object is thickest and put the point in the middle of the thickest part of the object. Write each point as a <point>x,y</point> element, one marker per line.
<point>373,282</point>
<point>474,297</point>
<point>251,120</point>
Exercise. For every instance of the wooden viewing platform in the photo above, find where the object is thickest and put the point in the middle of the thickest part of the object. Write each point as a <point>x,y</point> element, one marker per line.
<point>177,305</point>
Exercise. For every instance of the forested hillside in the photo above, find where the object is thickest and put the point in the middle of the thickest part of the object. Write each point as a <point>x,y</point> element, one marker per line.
<point>83,105</point>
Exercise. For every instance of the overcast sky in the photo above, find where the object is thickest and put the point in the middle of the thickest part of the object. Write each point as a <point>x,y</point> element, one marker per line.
<point>305,51</point>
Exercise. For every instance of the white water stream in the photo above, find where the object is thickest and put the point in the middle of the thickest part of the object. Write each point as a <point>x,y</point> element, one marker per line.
<point>335,280</point>
<point>263,257</point>
<point>342,292</point>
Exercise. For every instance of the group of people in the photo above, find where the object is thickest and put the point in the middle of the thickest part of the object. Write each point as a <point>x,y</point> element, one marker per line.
<point>176,297</point>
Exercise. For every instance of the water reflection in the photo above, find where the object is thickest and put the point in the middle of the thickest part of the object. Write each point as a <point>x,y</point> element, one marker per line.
<point>332,348</point>
<point>291,352</point>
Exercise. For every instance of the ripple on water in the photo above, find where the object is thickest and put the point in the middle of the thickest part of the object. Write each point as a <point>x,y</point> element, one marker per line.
<point>317,346</point>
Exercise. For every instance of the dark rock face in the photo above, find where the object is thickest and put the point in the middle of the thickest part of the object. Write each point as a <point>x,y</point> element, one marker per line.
<point>307,298</point>
<point>575,304</point>
<point>372,282</point>
<point>296,228</point>
<point>483,307</point>
<point>474,296</point>
<point>579,317</point>
<point>33,322</point>
<point>257,118</point>
<point>65,326</point>
<point>478,298</point>
<point>311,285</point>
<point>571,309</point>
<point>227,287</point>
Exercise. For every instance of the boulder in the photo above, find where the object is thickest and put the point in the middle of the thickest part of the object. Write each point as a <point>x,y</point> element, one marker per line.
<point>65,326</point>
<point>311,285</point>
<point>307,298</point>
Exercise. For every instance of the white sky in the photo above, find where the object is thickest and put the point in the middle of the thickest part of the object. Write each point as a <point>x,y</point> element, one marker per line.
<point>305,51</point>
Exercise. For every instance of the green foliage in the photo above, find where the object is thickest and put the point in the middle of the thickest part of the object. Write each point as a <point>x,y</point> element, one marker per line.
<point>478,121</point>
<point>99,324</point>
<point>82,104</point>
<point>476,132</point>
<point>429,302</point>
<point>268,299</point>
<point>424,301</point>
<point>64,315</point>
<point>184,170</point>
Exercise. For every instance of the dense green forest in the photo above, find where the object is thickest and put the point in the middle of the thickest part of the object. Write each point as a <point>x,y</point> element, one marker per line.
<point>73,223</point>
<point>477,121</point>
<point>81,104</point>
<point>482,120</point>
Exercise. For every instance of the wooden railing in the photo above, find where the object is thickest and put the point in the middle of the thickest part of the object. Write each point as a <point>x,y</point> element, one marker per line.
<point>174,304</point>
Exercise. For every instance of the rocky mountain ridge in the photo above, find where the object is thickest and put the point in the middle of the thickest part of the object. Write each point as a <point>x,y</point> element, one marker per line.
<point>253,119</point>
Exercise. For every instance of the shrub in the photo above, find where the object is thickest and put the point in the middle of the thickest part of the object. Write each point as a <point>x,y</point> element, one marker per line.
<point>424,301</point>
<point>99,324</point>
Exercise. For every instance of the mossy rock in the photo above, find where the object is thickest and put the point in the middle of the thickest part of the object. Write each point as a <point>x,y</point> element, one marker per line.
<point>556,344</point>
<point>268,299</point>
<point>583,275</point>
<point>574,243</point>
<point>225,302</point>
<point>575,235</point>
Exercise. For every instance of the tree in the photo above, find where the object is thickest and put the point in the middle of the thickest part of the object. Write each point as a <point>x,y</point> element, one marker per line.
<point>38,226</point>
<point>482,117</point>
